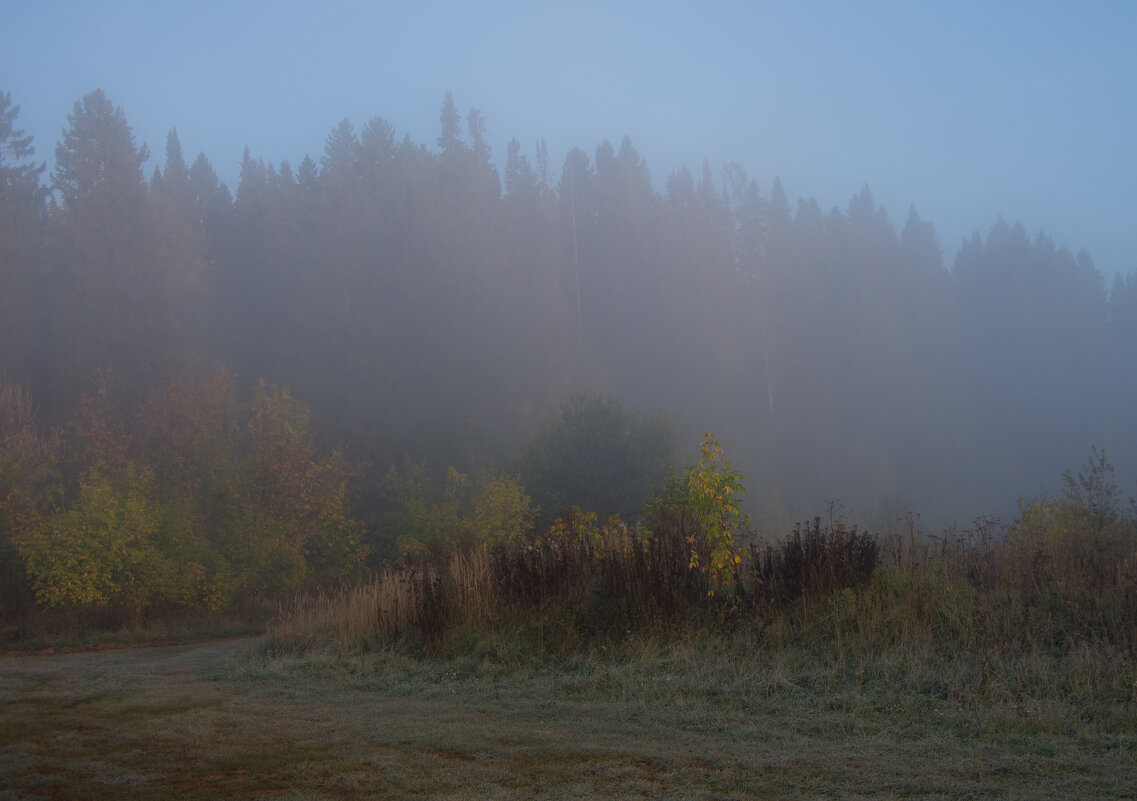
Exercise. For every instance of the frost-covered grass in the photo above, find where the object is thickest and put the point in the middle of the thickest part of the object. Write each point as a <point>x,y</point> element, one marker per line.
<point>681,717</point>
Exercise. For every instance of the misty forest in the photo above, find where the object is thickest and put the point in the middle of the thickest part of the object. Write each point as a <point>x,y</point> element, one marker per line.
<point>212,398</point>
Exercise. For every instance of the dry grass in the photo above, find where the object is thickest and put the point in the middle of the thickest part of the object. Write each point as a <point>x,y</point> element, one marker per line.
<point>391,605</point>
<point>577,587</point>
<point>1054,583</point>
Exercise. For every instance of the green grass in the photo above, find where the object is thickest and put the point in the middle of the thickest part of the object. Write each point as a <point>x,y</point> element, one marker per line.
<point>698,717</point>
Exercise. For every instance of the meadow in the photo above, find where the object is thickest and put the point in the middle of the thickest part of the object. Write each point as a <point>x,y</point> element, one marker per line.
<point>692,718</point>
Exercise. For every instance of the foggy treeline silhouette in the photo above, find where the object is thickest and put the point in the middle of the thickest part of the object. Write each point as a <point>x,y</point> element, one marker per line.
<point>430,308</point>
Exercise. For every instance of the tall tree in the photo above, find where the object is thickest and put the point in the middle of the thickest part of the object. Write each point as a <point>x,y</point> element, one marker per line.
<point>118,267</point>
<point>341,152</point>
<point>19,175</point>
<point>175,177</point>
<point>450,140</point>
<point>97,158</point>
<point>1031,313</point>
<point>520,180</point>
<point>485,173</point>
<point>212,200</point>
<point>22,299</point>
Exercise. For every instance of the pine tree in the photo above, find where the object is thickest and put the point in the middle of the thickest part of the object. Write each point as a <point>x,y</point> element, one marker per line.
<point>175,182</point>
<point>450,140</point>
<point>22,290</point>
<point>19,177</point>
<point>97,158</point>
<point>120,262</point>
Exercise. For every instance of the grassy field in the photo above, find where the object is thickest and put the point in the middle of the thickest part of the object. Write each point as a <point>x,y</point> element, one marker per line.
<point>704,718</point>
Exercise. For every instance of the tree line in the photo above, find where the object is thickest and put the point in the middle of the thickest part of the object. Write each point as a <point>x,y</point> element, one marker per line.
<point>432,310</point>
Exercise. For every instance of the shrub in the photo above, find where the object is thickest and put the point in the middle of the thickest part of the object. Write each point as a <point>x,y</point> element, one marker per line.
<point>28,483</point>
<point>1069,563</point>
<point>193,504</point>
<point>710,497</point>
<point>501,512</point>
<point>817,559</point>
<point>424,514</point>
<point>598,455</point>
<point>582,579</point>
<point>1060,580</point>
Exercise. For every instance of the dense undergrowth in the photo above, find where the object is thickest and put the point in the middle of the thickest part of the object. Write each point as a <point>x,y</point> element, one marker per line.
<point>1053,594</point>
<point>574,587</point>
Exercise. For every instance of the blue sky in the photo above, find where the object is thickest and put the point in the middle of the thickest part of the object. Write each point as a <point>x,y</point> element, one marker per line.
<point>967,110</point>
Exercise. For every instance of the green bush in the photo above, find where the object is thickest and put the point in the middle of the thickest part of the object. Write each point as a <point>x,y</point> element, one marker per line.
<point>28,487</point>
<point>1068,567</point>
<point>423,513</point>
<point>709,498</point>
<point>598,455</point>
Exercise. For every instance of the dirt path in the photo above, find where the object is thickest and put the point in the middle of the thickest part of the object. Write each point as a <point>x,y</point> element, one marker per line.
<point>112,724</point>
<point>113,646</point>
<point>141,663</point>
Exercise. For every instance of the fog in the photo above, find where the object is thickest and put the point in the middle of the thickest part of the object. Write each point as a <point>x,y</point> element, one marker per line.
<point>882,252</point>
